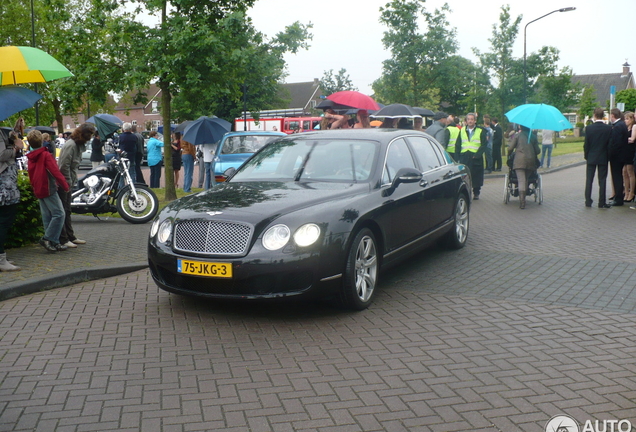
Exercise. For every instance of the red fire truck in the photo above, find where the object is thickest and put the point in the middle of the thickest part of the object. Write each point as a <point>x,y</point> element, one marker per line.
<point>285,124</point>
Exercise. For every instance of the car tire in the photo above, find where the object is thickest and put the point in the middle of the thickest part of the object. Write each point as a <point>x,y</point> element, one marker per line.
<point>457,237</point>
<point>361,271</point>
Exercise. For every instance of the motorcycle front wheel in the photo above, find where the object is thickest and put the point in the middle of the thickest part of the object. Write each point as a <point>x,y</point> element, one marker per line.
<point>138,211</point>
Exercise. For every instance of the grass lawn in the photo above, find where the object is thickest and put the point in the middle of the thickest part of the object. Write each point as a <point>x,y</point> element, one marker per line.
<point>562,148</point>
<point>161,196</point>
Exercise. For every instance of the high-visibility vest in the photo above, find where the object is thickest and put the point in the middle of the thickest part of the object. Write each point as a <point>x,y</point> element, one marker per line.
<point>471,145</point>
<point>454,134</point>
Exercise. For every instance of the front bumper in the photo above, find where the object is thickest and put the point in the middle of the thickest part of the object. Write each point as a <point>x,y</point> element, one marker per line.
<point>257,276</point>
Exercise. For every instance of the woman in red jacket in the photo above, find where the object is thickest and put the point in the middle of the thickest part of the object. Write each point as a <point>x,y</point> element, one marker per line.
<point>45,178</point>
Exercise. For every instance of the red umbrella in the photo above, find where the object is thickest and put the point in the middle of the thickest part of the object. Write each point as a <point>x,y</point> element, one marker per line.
<point>354,99</point>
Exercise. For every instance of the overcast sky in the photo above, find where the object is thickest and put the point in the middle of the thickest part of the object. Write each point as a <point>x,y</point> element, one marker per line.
<point>597,37</point>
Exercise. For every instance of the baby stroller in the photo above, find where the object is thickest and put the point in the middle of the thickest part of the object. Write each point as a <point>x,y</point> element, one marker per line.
<point>511,186</point>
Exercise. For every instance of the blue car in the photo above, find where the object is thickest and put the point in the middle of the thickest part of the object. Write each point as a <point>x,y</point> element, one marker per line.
<point>236,147</point>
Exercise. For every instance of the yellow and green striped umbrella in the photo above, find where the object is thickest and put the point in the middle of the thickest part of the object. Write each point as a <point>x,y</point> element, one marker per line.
<point>20,65</point>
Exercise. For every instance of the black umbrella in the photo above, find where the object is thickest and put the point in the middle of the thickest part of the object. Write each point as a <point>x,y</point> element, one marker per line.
<point>104,127</point>
<point>206,130</point>
<point>181,126</point>
<point>424,112</point>
<point>46,129</point>
<point>397,111</point>
<point>329,104</point>
<point>108,117</point>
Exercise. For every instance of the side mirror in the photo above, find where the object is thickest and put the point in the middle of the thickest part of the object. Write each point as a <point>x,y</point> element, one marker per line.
<point>229,172</point>
<point>404,175</point>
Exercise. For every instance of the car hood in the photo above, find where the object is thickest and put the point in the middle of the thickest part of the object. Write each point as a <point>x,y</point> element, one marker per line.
<point>253,202</point>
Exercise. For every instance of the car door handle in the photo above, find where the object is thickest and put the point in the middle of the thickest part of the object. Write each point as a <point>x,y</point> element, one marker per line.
<point>449,175</point>
<point>424,182</point>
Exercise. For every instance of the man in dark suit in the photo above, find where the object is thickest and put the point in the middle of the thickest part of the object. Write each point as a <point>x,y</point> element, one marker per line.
<point>497,141</point>
<point>618,154</point>
<point>595,148</point>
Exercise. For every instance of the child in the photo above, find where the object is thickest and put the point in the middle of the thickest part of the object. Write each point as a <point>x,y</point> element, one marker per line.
<point>45,178</point>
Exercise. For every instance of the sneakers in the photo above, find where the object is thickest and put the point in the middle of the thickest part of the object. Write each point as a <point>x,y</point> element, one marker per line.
<point>46,244</point>
<point>78,241</point>
<point>70,244</point>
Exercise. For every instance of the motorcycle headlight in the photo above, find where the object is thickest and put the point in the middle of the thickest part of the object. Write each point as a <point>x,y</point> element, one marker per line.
<point>307,234</point>
<point>276,237</point>
<point>91,181</point>
<point>165,230</point>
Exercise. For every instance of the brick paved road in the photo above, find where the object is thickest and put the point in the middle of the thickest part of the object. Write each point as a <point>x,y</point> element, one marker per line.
<point>501,336</point>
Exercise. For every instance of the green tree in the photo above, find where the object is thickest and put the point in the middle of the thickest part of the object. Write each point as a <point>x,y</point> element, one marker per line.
<point>558,90</point>
<point>587,102</point>
<point>413,74</point>
<point>203,54</point>
<point>500,63</point>
<point>628,97</point>
<point>91,38</point>
<point>331,83</point>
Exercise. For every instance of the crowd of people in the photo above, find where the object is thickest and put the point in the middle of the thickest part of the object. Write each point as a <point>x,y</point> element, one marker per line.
<point>608,148</point>
<point>611,148</point>
<point>50,180</point>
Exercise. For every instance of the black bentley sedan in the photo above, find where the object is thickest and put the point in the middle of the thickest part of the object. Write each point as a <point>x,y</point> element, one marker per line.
<point>318,213</point>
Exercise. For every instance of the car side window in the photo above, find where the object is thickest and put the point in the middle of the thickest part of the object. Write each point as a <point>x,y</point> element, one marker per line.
<point>425,152</point>
<point>397,156</point>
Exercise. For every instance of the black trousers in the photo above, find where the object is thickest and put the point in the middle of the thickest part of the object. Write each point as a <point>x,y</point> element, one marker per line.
<point>7,216</point>
<point>616,168</point>
<point>496,156</point>
<point>139,175</point>
<point>67,233</point>
<point>602,182</point>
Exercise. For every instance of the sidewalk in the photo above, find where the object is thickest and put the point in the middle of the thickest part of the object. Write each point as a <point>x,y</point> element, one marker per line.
<point>115,247</point>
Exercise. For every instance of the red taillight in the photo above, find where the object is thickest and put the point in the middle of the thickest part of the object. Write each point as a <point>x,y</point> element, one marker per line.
<point>220,178</point>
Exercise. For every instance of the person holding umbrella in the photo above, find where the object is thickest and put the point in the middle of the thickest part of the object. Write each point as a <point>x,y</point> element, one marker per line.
<point>331,120</point>
<point>526,148</point>
<point>10,146</point>
<point>97,155</point>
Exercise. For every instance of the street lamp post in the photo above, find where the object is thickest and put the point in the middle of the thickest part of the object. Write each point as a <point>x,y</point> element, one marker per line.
<point>525,75</point>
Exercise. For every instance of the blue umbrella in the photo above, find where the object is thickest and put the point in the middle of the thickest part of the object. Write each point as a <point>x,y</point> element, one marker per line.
<point>15,99</point>
<point>539,116</point>
<point>206,130</point>
<point>108,117</point>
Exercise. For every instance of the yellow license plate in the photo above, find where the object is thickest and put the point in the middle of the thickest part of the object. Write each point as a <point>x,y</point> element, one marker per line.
<point>208,269</point>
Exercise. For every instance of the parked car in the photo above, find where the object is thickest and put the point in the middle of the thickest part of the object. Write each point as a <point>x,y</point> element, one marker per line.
<point>313,214</point>
<point>235,147</point>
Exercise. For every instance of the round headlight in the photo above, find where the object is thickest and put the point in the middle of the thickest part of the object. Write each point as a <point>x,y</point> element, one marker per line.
<point>154,227</point>
<point>276,237</point>
<point>307,234</point>
<point>165,229</point>
<point>91,181</point>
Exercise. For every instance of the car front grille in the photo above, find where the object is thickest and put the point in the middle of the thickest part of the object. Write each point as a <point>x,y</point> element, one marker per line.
<point>212,237</point>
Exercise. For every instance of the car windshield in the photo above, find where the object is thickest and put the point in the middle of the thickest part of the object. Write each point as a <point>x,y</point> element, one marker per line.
<point>244,144</point>
<point>339,160</point>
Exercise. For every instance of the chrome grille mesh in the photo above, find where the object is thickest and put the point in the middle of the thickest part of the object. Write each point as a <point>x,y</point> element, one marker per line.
<point>212,237</point>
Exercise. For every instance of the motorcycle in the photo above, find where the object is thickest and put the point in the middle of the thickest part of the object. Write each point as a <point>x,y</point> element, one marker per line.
<point>99,192</point>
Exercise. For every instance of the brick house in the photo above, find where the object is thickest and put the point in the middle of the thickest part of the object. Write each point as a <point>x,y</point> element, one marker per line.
<point>147,116</point>
<point>602,84</point>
